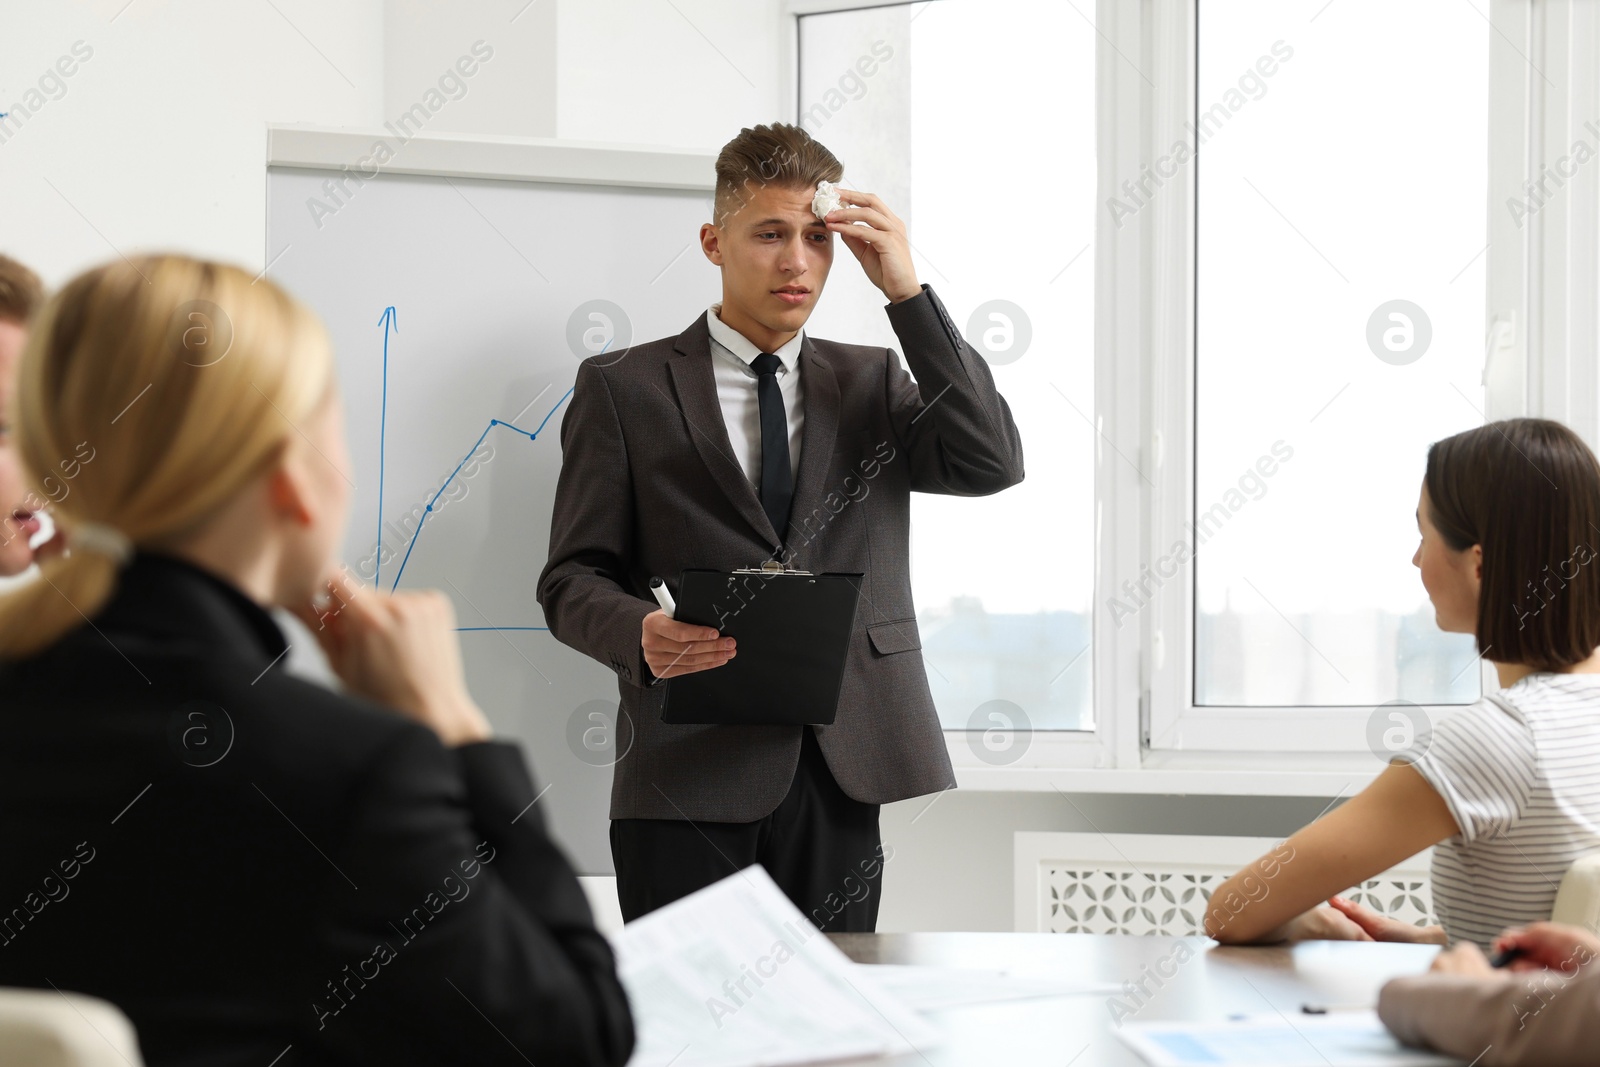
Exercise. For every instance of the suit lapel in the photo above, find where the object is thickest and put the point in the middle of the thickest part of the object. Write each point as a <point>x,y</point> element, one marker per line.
<point>821,389</point>
<point>696,385</point>
<point>695,382</point>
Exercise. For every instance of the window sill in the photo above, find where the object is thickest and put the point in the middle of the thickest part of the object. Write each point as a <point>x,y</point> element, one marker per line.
<point>1163,782</point>
<point>1261,774</point>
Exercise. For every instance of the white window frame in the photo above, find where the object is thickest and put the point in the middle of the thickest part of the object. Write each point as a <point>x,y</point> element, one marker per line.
<point>1552,280</point>
<point>1542,358</point>
<point>1176,725</point>
<point>1048,752</point>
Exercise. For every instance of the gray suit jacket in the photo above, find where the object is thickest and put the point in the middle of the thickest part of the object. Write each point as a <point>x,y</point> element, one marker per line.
<point>649,486</point>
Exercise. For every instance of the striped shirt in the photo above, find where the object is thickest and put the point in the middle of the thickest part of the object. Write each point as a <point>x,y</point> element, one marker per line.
<point>1520,771</point>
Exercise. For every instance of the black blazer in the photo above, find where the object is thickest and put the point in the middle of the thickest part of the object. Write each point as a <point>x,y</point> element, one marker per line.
<point>248,863</point>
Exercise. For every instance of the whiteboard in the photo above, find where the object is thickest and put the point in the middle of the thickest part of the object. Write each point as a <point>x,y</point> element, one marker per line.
<point>459,309</point>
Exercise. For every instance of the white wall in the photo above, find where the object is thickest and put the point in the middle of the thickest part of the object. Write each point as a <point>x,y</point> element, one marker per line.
<point>950,864</point>
<point>157,140</point>
<point>512,92</point>
<point>687,74</point>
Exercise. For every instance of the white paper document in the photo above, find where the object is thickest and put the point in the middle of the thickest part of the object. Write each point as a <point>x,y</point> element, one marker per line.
<point>927,988</point>
<point>735,976</point>
<point>1338,1039</point>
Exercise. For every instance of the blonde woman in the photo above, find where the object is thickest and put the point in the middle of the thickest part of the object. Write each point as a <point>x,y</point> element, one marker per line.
<point>256,869</point>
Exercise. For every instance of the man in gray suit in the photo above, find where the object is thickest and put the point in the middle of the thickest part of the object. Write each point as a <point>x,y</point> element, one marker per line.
<point>742,439</point>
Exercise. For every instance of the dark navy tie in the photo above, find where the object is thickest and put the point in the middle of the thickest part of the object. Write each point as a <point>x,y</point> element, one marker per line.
<point>776,481</point>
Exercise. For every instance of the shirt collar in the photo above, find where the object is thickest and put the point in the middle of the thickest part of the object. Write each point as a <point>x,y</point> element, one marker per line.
<point>743,348</point>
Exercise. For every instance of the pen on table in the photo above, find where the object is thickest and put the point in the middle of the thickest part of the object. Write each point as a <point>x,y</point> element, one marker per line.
<point>1323,1009</point>
<point>663,597</point>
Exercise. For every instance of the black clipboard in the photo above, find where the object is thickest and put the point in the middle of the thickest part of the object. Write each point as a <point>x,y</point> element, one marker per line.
<point>793,631</point>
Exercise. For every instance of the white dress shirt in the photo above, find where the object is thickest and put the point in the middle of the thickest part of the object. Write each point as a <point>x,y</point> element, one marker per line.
<point>731,356</point>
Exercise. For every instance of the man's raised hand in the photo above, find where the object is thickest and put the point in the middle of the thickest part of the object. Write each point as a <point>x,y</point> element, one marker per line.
<point>881,245</point>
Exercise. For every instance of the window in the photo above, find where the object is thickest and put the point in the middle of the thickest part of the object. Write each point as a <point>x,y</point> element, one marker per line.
<point>1339,307</point>
<point>919,103</point>
<point>1286,232</point>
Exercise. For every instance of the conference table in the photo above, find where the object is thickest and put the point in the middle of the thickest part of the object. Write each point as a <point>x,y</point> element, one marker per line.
<point>1208,981</point>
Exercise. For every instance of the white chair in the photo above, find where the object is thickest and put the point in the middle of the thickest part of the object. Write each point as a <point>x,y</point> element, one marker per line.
<point>601,889</point>
<point>1578,899</point>
<point>50,1029</point>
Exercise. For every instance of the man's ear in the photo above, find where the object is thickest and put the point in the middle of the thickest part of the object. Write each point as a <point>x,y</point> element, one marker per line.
<point>711,243</point>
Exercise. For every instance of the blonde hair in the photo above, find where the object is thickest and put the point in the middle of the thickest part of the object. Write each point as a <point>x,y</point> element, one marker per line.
<point>184,379</point>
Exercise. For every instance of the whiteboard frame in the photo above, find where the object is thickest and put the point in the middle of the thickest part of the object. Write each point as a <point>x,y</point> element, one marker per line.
<point>525,159</point>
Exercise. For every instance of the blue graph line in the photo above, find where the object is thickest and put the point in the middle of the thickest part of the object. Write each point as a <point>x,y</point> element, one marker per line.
<point>533,436</point>
<point>389,318</point>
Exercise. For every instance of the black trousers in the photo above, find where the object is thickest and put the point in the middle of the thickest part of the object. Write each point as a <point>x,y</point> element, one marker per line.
<point>819,845</point>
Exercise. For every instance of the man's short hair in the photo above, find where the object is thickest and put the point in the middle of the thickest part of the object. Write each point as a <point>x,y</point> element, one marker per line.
<point>21,292</point>
<point>779,154</point>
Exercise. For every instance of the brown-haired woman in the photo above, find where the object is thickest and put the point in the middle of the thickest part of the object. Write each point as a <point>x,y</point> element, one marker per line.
<point>1507,788</point>
<point>254,868</point>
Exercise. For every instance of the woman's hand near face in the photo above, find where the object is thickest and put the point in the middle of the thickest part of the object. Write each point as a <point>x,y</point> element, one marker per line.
<point>401,650</point>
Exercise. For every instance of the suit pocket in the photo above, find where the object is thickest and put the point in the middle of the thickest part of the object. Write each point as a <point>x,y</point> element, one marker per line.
<point>898,635</point>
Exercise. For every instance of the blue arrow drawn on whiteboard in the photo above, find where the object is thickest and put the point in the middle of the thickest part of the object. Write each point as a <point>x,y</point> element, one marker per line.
<point>530,435</point>
<point>388,317</point>
<point>388,321</point>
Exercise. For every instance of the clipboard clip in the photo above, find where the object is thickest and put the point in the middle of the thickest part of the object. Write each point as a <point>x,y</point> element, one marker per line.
<point>770,567</point>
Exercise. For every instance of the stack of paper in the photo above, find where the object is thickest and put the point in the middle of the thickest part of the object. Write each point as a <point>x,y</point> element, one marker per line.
<point>735,975</point>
